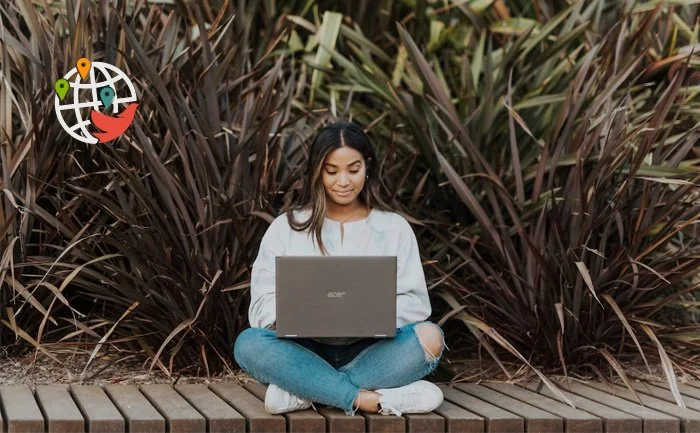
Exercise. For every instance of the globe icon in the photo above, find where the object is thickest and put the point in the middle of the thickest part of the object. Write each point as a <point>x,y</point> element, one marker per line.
<point>83,96</point>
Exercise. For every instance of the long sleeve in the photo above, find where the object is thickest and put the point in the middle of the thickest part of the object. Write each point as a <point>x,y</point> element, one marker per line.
<point>412,301</point>
<point>262,310</point>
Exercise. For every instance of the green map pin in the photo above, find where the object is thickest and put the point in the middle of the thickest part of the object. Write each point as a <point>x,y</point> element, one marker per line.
<point>62,87</point>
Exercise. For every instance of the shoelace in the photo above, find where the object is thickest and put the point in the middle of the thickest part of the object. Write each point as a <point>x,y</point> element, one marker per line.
<point>407,398</point>
<point>290,400</point>
<point>300,402</point>
<point>387,408</point>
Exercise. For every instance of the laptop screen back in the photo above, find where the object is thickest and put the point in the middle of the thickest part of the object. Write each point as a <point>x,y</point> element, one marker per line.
<point>336,296</point>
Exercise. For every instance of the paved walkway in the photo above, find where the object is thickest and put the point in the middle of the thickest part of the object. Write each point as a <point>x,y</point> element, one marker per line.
<point>228,407</point>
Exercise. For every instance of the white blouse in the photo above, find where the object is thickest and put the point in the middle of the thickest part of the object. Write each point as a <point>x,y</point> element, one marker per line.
<point>380,233</point>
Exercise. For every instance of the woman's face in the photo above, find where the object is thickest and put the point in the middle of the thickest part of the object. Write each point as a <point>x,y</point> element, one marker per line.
<point>343,174</point>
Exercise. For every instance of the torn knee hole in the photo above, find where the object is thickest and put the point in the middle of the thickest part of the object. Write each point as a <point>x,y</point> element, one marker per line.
<point>430,356</point>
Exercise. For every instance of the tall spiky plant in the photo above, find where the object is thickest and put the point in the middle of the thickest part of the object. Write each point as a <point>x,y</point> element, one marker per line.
<point>567,144</point>
<point>146,240</point>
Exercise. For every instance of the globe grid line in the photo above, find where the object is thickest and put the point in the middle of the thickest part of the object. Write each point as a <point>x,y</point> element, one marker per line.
<point>81,125</point>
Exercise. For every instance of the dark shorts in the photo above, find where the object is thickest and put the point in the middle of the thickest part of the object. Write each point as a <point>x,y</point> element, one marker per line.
<point>336,355</point>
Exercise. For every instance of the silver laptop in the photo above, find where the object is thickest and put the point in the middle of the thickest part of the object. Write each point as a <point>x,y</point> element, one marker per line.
<point>336,296</point>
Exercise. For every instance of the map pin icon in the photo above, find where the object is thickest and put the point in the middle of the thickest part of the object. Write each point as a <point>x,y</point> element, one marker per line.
<point>62,87</point>
<point>106,96</point>
<point>83,66</point>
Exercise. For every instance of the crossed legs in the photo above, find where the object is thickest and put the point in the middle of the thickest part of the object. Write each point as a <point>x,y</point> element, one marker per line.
<point>412,354</point>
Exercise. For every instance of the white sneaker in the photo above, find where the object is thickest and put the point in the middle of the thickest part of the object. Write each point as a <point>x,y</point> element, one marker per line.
<point>417,397</point>
<point>278,401</point>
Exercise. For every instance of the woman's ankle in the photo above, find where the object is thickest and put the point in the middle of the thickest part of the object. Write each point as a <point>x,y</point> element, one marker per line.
<point>368,401</point>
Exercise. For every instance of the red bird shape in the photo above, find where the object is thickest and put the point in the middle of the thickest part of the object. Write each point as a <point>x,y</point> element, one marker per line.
<point>113,127</point>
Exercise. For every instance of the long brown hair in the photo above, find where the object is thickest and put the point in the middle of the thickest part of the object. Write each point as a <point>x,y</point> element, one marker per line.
<point>331,137</point>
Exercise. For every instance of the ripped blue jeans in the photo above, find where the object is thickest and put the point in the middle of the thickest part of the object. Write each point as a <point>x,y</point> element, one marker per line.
<point>335,375</point>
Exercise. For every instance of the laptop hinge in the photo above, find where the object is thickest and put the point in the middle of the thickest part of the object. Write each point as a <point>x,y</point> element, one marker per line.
<point>380,335</point>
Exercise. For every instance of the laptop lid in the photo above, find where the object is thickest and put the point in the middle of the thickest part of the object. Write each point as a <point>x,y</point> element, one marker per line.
<point>336,296</point>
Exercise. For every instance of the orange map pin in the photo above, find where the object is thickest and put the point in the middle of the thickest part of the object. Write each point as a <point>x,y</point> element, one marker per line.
<point>83,67</point>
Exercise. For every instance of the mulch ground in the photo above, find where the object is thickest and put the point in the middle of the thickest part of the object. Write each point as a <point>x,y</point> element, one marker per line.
<point>110,368</point>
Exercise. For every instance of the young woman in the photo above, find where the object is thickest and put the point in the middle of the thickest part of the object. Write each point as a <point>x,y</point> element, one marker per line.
<point>340,212</point>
